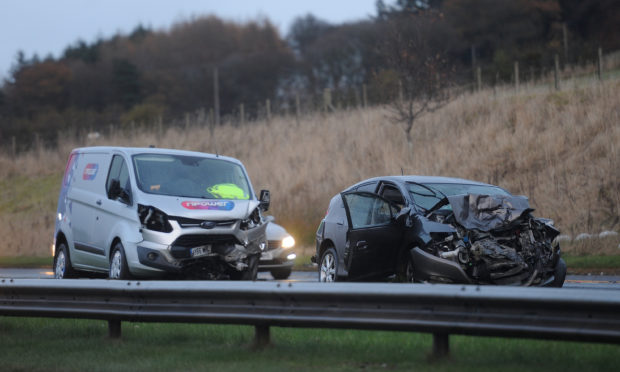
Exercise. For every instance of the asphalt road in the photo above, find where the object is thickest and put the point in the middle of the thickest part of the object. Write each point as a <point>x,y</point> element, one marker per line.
<point>572,281</point>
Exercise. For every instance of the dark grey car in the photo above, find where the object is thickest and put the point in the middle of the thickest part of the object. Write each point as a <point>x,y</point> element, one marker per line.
<point>436,229</point>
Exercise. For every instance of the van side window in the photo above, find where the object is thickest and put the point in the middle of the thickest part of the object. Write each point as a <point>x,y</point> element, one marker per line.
<point>118,171</point>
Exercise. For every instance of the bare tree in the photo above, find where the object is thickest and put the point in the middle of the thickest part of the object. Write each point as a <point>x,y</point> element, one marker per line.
<point>417,49</point>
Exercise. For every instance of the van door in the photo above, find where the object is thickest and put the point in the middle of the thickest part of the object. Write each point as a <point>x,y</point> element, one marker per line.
<point>85,195</point>
<point>113,210</point>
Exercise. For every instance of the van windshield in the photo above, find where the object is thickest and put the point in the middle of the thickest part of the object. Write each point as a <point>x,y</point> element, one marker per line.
<point>190,176</point>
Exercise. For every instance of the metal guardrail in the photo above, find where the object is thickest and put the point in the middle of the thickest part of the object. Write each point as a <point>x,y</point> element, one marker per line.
<point>547,313</point>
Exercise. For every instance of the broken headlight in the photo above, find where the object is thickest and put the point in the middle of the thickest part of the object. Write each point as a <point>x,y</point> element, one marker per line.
<point>252,221</point>
<point>153,219</point>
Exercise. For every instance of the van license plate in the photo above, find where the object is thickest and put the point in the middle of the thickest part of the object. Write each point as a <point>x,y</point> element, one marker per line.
<point>266,256</point>
<point>200,251</point>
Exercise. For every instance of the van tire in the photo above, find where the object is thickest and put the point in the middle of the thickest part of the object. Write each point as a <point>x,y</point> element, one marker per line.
<point>251,272</point>
<point>118,263</point>
<point>62,263</point>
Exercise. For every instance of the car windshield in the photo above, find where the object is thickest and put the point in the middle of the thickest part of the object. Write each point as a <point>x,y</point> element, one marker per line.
<point>190,176</point>
<point>428,194</point>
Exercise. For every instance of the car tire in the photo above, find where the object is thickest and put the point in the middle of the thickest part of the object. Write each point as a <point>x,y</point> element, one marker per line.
<point>62,263</point>
<point>559,274</point>
<point>251,272</point>
<point>328,266</point>
<point>405,269</point>
<point>281,273</point>
<point>118,264</point>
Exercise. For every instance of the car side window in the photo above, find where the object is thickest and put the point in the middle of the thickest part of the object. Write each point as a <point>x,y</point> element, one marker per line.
<point>394,195</point>
<point>118,171</point>
<point>367,210</point>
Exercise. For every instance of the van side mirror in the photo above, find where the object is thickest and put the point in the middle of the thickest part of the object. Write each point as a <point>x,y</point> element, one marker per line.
<point>116,192</point>
<point>265,198</point>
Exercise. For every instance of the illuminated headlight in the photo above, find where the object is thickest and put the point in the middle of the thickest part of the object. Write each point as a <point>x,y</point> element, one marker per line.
<point>291,256</point>
<point>288,242</point>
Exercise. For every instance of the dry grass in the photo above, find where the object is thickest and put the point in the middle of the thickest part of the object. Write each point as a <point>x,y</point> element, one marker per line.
<point>559,148</point>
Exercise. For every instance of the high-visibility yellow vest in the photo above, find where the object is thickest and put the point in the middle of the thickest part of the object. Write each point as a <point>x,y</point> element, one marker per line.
<point>228,191</point>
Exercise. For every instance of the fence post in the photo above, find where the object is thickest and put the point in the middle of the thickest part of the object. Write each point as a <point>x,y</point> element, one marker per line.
<point>517,76</point>
<point>565,42</point>
<point>13,147</point>
<point>297,108</point>
<point>241,114</point>
<point>261,336</point>
<point>400,92</point>
<point>216,96</point>
<point>556,72</point>
<point>268,110</point>
<point>479,78</point>
<point>600,63</point>
<point>473,64</point>
<point>327,100</point>
<point>114,328</point>
<point>364,96</point>
<point>441,345</point>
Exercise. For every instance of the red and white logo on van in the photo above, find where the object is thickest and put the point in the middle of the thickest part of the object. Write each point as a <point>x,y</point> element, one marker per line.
<point>210,205</point>
<point>90,171</point>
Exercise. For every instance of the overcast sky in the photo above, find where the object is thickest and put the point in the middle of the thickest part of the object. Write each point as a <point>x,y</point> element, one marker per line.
<point>49,26</point>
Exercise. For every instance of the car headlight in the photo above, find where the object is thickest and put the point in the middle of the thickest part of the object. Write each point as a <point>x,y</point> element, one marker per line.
<point>288,242</point>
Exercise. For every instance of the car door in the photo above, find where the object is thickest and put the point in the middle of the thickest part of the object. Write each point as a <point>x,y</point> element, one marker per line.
<point>373,234</point>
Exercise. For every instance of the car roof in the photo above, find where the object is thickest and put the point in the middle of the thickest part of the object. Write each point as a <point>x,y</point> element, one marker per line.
<point>422,180</point>
<point>129,151</point>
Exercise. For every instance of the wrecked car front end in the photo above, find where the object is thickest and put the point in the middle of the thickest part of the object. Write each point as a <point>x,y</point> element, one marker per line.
<point>485,239</point>
<point>203,245</point>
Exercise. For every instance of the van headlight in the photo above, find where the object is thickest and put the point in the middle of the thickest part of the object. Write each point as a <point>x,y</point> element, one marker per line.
<point>288,242</point>
<point>252,221</point>
<point>153,219</point>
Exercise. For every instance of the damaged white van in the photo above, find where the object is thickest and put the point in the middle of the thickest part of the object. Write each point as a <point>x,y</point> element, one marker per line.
<point>148,213</point>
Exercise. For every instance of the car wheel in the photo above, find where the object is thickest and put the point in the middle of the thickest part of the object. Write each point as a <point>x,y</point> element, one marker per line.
<point>62,263</point>
<point>118,264</point>
<point>405,270</point>
<point>281,273</point>
<point>559,274</point>
<point>328,269</point>
<point>251,272</point>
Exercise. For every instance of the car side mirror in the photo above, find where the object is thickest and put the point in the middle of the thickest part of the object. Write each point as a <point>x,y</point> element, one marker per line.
<point>265,198</point>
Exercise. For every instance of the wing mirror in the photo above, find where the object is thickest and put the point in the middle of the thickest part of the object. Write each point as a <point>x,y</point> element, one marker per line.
<point>265,198</point>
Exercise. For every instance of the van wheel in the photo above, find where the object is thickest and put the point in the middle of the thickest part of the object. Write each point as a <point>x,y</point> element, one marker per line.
<point>251,272</point>
<point>118,263</point>
<point>62,263</point>
<point>281,273</point>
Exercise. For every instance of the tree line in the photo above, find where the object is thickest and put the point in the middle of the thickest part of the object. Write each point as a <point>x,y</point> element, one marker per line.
<point>150,75</point>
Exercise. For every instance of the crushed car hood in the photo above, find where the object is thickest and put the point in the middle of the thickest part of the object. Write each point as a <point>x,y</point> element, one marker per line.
<point>487,212</point>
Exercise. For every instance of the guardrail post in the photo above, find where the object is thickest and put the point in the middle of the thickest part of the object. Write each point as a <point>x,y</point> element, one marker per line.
<point>114,328</point>
<point>261,336</point>
<point>441,345</point>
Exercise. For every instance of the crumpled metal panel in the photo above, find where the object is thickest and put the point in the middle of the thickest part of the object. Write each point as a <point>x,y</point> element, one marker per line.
<point>487,212</point>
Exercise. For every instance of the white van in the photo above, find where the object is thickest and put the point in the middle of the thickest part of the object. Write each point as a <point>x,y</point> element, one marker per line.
<point>146,212</point>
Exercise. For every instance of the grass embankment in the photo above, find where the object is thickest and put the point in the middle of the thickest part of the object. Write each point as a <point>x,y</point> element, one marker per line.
<point>558,148</point>
<point>81,345</point>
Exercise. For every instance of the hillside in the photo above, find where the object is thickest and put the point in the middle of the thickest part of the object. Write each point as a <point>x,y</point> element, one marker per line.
<point>558,148</point>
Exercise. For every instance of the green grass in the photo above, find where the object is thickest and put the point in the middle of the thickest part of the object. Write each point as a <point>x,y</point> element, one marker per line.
<point>23,194</point>
<point>592,262</point>
<point>25,261</point>
<point>37,344</point>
